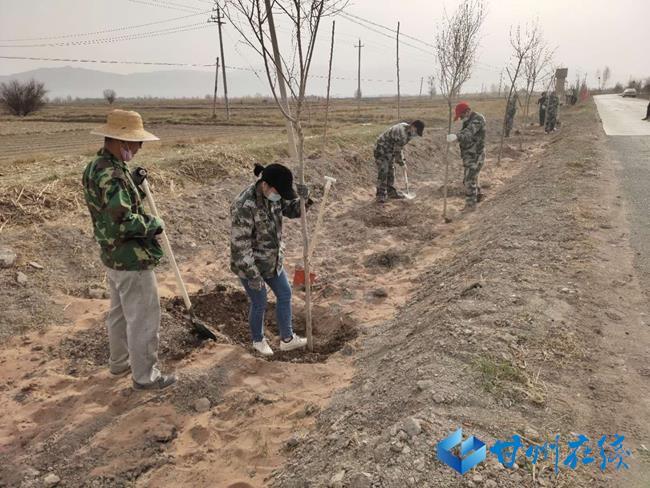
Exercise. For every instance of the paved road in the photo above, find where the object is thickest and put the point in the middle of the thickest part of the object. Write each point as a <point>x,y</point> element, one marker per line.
<point>630,141</point>
<point>622,116</point>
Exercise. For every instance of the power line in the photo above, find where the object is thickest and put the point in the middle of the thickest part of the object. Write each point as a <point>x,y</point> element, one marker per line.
<point>350,19</point>
<point>391,30</point>
<point>105,31</point>
<point>127,37</point>
<point>171,6</point>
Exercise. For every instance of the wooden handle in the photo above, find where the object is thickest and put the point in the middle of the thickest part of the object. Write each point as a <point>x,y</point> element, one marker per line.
<point>319,220</point>
<point>168,248</point>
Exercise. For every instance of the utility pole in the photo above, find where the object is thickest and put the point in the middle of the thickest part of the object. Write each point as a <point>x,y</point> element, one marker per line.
<point>283,89</point>
<point>216,84</point>
<point>500,82</point>
<point>329,80</point>
<point>399,115</point>
<point>421,81</point>
<point>217,20</point>
<point>359,46</point>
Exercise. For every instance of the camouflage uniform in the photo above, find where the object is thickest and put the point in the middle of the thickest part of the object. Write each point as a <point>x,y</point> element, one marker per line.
<point>126,236</point>
<point>256,247</point>
<point>471,139</point>
<point>124,231</point>
<point>551,112</point>
<point>511,110</point>
<point>388,150</point>
<point>543,100</point>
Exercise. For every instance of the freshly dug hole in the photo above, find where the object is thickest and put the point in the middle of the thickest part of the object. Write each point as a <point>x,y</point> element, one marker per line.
<point>226,309</point>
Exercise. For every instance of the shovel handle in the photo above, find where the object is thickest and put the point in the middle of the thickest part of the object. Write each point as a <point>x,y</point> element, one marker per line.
<point>167,247</point>
<point>406,179</point>
<point>319,220</point>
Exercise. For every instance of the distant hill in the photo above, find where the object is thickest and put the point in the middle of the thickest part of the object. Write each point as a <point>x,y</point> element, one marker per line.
<point>88,83</point>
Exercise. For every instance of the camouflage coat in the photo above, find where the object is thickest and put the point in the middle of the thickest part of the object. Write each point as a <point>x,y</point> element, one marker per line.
<point>511,109</point>
<point>125,233</point>
<point>256,247</point>
<point>471,139</point>
<point>389,145</point>
<point>553,104</point>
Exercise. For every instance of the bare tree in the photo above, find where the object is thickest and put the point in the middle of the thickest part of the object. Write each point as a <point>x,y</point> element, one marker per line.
<point>22,98</point>
<point>523,45</point>
<point>110,95</point>
<point>456,44</point>
<point>289,69</point>
<point>535,69</point>
<point>607,74</point>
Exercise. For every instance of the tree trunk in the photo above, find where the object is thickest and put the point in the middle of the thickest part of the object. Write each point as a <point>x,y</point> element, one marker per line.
<point>446,183</point>
<point>305,234</point>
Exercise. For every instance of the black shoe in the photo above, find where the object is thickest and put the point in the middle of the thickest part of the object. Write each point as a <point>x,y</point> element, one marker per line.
<point>161,383</point>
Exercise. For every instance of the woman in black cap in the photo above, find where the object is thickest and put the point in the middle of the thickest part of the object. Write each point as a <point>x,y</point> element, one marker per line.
<point>257,250</point>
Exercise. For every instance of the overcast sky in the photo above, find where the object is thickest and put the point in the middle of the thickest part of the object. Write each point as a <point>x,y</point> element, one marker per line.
<point>588,34</point>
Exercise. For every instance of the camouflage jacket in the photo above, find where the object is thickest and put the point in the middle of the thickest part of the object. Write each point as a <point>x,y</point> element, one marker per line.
<point>471,137</point>
<point>256,247</point>
<point>511,109</point>
<point>542,102</point>
<point>124,231</point>
<point>389,145</point>
<point>553,102</point>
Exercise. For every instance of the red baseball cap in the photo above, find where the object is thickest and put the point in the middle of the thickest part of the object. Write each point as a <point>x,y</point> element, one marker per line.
<point>460,109</point>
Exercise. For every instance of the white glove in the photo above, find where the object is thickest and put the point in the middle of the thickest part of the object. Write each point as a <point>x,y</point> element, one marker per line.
<point>451,137</point>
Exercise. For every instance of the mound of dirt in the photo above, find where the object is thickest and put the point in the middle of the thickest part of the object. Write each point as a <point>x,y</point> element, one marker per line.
<point>224,309</point>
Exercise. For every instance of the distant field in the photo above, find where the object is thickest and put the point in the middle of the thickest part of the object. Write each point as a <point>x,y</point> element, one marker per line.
<point>64,129</point>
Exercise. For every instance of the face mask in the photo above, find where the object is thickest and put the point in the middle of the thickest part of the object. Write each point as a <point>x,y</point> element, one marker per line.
<point>127,154</point>
<point>274,197</point>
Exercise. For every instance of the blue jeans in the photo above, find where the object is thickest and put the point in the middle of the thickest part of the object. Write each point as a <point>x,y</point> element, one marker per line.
<point>282,291</point>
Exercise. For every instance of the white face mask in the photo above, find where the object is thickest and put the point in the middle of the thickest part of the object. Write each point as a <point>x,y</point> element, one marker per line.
<point>274,197</point>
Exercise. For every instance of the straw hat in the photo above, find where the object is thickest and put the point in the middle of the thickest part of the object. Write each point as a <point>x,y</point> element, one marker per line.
<point>124,125</point>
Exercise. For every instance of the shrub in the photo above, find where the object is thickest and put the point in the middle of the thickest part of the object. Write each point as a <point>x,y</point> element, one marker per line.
<point>22,98</point>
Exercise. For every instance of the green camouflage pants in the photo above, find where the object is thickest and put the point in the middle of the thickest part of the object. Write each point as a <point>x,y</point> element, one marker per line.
<point>509,123</point>
<point>385,175</point>
<point>472,168</point>
<point>551,120</point>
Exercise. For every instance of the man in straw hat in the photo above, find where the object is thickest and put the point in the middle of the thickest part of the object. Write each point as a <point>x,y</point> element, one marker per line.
<point>129,250</point>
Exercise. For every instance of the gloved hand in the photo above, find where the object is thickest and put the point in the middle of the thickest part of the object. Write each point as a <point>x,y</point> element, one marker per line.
<point>401,163</point>
<point>138,175</point>
<point>256,284</point>
<point>303,191</point>
<point>451,137</point>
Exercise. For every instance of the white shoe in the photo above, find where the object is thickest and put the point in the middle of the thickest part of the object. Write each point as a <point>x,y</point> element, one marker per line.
<point>296,342</point>
<point>263,348</point>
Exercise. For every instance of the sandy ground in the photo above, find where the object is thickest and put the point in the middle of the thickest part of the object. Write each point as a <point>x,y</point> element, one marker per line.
<point>393,274</point>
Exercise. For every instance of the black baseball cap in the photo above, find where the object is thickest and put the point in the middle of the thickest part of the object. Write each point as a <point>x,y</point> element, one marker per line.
<point>279,177</point>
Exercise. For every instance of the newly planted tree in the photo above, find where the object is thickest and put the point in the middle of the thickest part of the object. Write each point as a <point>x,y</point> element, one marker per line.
<point>523,44</point>
<point>536,69</point>
<point>287,70</point>
<point>456,44</point>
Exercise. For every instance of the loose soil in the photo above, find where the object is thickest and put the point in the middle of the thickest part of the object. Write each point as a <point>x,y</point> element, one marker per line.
<point>477,307</point>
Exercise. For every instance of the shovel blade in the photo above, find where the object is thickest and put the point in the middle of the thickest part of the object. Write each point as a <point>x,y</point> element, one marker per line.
<point>409,196</point>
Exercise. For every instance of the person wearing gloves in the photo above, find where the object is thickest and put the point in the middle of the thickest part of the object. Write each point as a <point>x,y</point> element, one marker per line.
<point>388,150</point>
<point>126,235</point>
<point>257,250</point>
<point>471,140</point>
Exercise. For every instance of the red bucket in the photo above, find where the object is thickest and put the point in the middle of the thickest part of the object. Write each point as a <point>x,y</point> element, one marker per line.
<point>299,277</point>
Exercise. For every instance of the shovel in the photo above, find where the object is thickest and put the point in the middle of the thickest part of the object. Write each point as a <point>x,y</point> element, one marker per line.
<point>408,195</point>
<point>299,273</point>
<point>202,330</point>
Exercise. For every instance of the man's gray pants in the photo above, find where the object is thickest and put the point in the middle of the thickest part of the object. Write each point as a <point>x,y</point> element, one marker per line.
<point>133,324</point>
